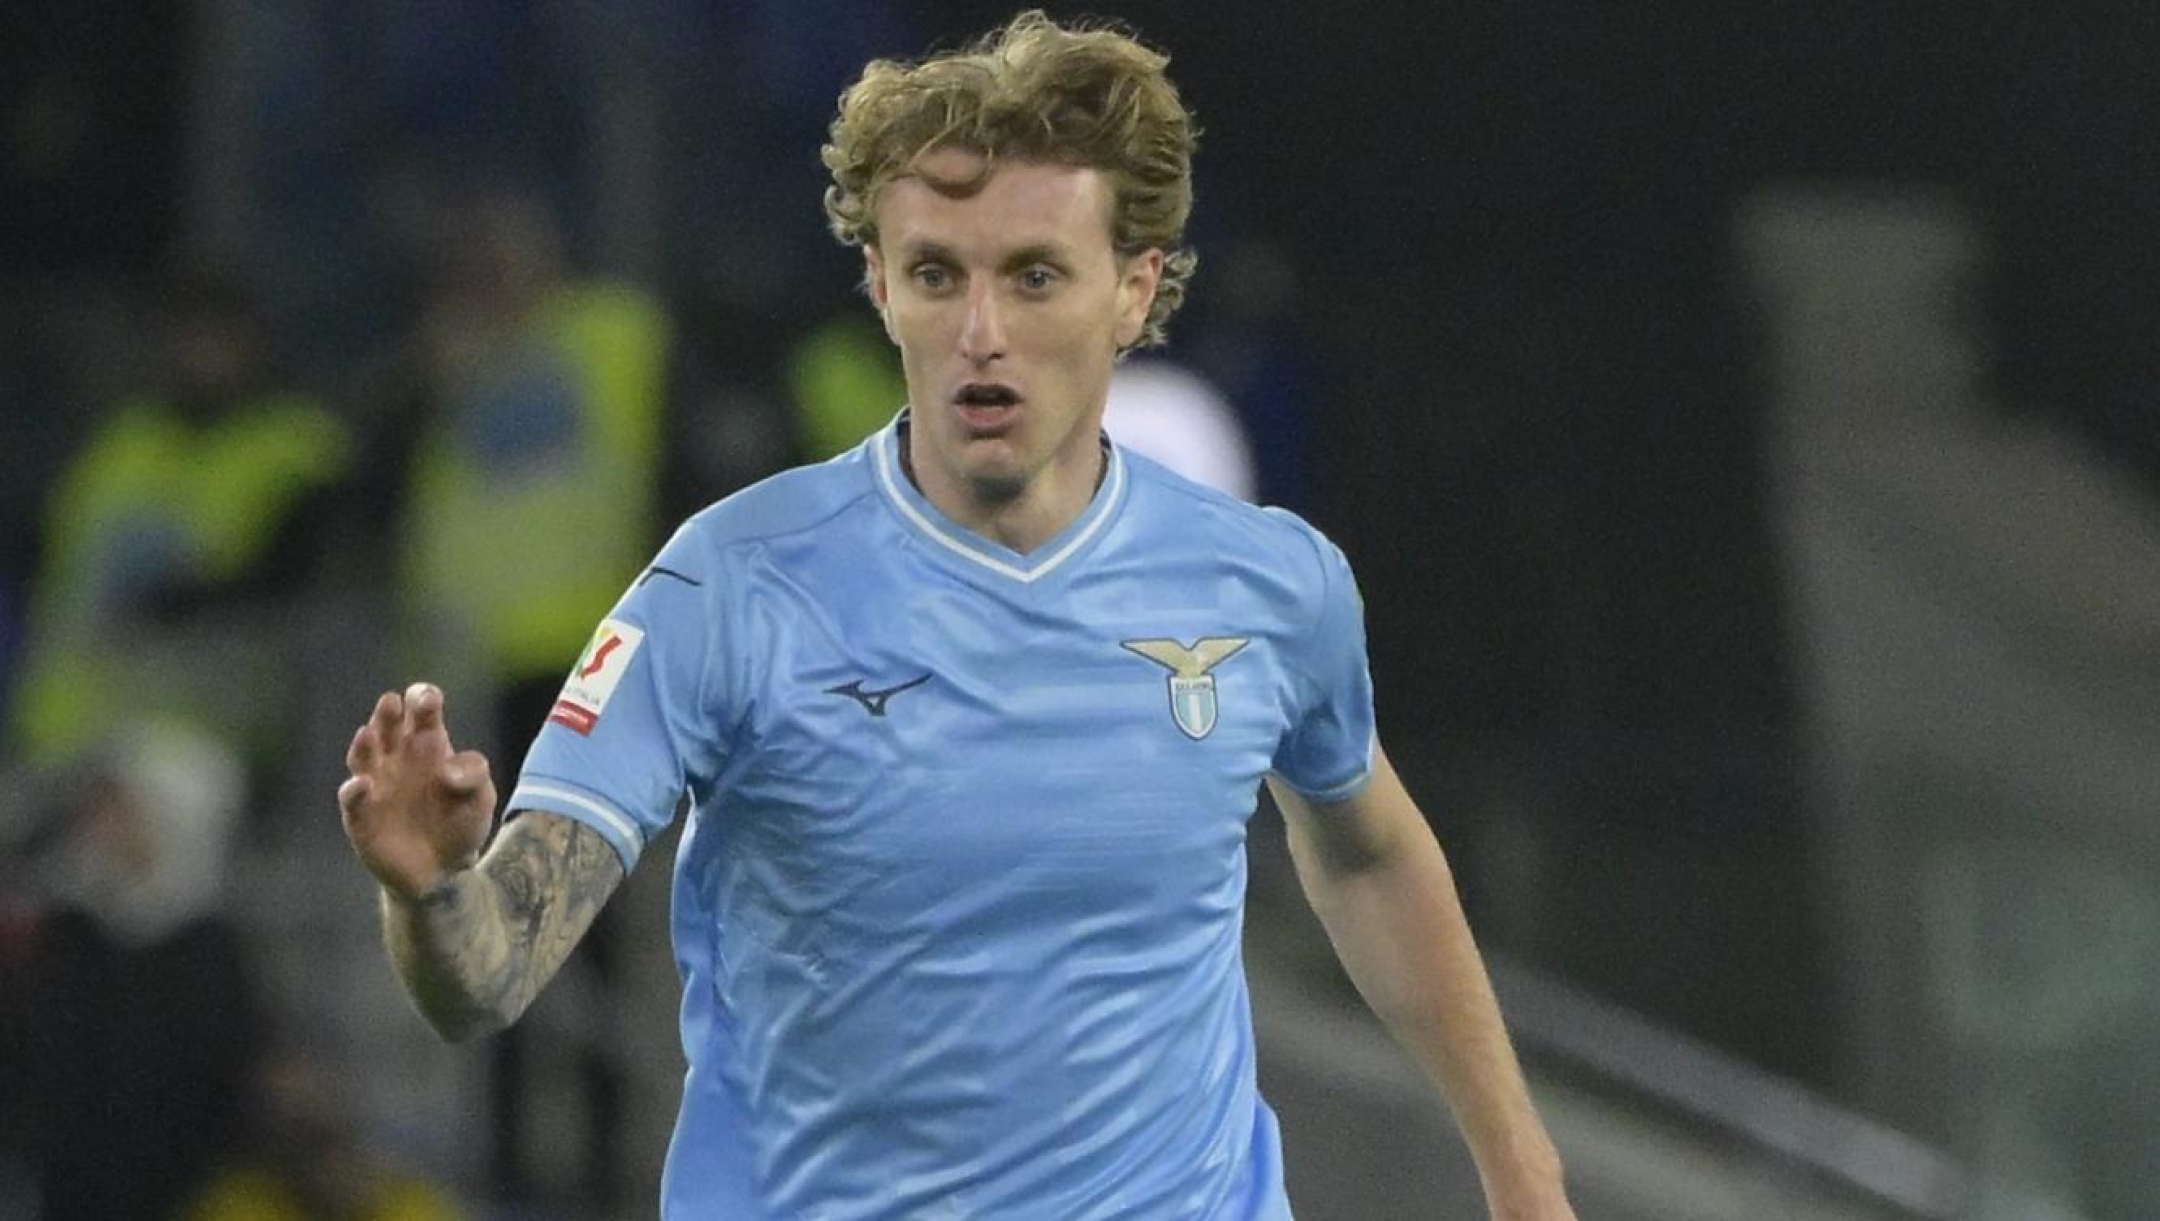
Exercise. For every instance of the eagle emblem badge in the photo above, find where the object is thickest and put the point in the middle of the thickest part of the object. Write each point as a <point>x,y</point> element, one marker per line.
<point>1193,704</point>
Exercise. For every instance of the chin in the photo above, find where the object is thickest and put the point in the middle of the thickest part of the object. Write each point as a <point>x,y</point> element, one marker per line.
<point>997,483</point>
<point>996,466</point>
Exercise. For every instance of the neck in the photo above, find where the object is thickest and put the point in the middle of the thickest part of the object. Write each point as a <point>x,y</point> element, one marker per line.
<point>1021,517</point>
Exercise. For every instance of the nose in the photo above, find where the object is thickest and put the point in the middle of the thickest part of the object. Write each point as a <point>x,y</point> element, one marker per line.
<point>982,332</point>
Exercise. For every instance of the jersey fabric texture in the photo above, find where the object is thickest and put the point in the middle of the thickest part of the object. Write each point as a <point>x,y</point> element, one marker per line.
<point>958,902</point>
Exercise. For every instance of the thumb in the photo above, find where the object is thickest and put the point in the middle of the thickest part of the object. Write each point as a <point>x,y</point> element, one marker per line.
<point>465,774</point>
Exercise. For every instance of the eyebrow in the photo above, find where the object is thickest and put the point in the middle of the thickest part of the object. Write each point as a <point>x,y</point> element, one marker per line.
<point>1035,252</point>
<point>1040,252</point>
<point>919,249</point>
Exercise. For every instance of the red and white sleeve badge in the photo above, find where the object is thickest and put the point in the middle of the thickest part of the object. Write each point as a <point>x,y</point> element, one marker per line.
<point>591,684</point>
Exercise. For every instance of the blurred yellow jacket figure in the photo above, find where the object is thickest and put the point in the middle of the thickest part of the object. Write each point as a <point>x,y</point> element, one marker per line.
<point>156,503</point>
<point>537,481</point>
<point>256,1194</point>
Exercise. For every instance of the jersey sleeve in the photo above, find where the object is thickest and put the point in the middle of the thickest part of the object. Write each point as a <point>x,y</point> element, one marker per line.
<point>640,720</point>
<point>1327,753</point>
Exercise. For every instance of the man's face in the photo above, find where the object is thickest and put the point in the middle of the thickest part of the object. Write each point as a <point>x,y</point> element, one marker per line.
<point>1009,305</point>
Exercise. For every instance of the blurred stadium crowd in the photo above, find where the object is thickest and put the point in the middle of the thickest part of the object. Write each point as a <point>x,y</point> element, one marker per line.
<point>426,389</point>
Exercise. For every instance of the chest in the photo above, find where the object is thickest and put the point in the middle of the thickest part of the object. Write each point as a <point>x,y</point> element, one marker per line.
<point>1113,725</point>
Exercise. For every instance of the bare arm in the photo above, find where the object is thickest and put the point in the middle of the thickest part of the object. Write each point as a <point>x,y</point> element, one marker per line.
<point>474,939</point>
<point>476,950</point>
<point>1383,889</point>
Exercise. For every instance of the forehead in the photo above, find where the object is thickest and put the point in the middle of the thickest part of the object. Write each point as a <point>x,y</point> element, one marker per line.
<point>948,202</point>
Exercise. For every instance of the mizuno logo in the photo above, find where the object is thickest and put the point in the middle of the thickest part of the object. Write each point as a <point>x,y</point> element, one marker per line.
<point>873,702</point>
<point>1192,687</point>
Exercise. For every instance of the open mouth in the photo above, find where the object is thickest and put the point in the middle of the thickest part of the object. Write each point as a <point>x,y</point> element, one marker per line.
<point>987,406</point>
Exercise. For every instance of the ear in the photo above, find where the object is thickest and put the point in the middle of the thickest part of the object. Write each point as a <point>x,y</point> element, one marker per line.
<point>874,284</point>
<point>1139,276</point>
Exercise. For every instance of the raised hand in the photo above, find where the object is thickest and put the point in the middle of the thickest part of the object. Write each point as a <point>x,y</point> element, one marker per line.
<point>415,810</point>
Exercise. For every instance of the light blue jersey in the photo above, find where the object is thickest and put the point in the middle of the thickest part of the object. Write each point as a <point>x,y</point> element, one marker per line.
<point>959,900</point>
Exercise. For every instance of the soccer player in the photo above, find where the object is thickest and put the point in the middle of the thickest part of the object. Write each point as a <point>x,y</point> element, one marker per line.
<point>971,720</point>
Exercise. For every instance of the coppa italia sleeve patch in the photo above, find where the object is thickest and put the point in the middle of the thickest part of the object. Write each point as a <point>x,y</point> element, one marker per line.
<point>606,659</point>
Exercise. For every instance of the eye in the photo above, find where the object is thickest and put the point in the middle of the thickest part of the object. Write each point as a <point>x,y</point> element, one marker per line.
<point>1038,279</point>
<point>931,277</point>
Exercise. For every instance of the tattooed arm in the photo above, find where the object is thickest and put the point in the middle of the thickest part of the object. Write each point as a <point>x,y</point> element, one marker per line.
<point>476,950</point>
<point>473,938</point>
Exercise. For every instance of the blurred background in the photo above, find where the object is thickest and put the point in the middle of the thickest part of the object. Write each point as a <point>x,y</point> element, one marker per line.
<point>1741,419</point>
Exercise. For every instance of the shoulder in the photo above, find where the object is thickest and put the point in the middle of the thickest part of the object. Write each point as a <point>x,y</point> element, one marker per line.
<point>715,567</point>
<point>1263,533</point>
<point>792,502</point>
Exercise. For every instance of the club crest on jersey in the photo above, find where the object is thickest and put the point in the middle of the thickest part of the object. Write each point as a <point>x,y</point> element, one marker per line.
<point>585,696</point>
<point>1192,684</point>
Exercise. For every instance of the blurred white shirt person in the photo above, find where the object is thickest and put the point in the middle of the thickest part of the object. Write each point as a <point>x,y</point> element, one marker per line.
<point>1165,411</point>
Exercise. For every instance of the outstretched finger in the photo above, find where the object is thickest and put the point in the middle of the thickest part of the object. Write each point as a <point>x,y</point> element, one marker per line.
<point>424,707</point>
<point>360,756</point>
<point>388,721</point>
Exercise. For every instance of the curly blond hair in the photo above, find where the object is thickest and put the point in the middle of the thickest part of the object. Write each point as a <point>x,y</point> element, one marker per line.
<point>1082,95</point>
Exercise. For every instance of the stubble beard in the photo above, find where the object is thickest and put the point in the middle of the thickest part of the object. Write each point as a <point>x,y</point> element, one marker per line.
<point>998,490</point>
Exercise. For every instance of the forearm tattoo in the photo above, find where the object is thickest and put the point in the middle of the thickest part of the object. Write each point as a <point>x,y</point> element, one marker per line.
<point>475,952</point>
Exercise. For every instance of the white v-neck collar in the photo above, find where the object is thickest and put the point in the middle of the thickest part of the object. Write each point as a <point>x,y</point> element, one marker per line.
<point>957,540</point>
